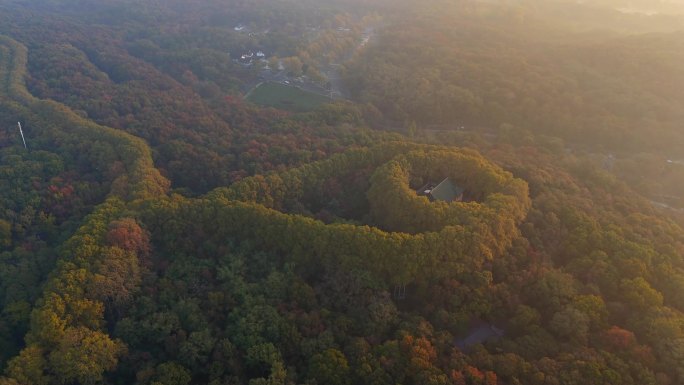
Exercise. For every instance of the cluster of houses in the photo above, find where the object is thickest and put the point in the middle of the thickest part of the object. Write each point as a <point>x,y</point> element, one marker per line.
<point>249,57</point>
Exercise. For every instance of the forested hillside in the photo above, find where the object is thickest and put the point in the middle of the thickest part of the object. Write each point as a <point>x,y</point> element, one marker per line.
<point>613,92</point>
<point>158,228</point>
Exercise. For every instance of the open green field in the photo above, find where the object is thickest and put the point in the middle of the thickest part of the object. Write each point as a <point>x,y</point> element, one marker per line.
<point>285,97</point>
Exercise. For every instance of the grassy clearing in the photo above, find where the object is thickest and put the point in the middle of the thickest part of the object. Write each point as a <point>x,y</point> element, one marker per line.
<point>285,97</point>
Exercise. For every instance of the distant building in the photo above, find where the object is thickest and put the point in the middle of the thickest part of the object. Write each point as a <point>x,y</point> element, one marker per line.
<point>444,191</point>
<point>246,58</point>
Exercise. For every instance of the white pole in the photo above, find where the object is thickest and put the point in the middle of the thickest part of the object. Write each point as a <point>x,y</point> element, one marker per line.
<point>22,135</point>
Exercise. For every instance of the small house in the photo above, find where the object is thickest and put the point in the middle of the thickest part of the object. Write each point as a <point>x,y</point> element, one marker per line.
<point>246,58</point>
<point>444,191</point>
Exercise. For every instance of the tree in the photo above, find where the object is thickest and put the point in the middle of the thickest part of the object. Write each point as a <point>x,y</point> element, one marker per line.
<point>524,320</point>
<point>196,350</point>
<point>29,367</point>
<point>171,373</point>
<point>571,324</point>
<point>293,65</point>
<point>594,308</point>
<point>127,235</point>
<point>639,294</point>
<point>8,381</point>
<point>619,339</point>
<point>262,357</point>
<point>84,355</point>
<point>329,367</point>
<point>5,233</point>
<point>116,277</point>
<point>277,377</point>
<point>273,62</point>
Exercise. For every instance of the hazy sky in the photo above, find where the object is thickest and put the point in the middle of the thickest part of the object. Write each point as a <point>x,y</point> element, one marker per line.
<point>643,5</point>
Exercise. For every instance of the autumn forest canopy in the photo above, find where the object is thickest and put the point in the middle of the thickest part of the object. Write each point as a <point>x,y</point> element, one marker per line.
<point>341,192</point>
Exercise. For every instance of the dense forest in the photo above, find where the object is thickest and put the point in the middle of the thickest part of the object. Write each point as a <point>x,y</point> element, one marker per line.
<point>159,227</point>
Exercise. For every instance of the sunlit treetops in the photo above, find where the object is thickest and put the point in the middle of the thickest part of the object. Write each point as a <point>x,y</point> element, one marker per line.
<point>407,235</point>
